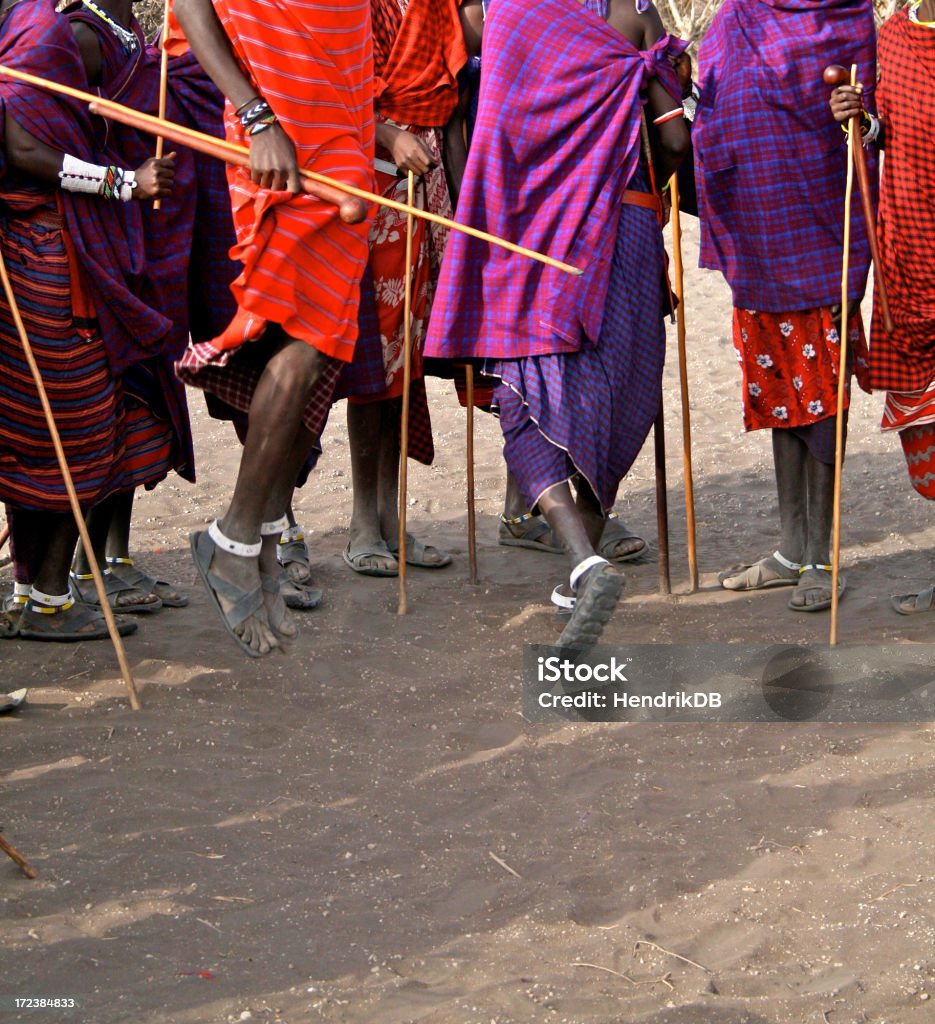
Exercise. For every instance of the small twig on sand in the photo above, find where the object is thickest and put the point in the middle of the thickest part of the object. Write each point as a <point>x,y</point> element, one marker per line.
<point>503,864</point>
<point>764,843</point>
<point>28,870</point>
<point>626,977</point>
<point>678,956</point>
<point>889,892</point>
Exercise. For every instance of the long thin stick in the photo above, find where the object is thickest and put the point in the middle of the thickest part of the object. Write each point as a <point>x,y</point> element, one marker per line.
<point>863,179</point>
<point>407,384</point>
<point>471,511</point>
<point>4,535</point>
<point>659,434</point>
<point>28,870</point>
<point>163,83</point>
<point>842,378</point>
<point>662,501</point>
<point>683,382</point>
<point>70,488</point>
<point>189,137</point>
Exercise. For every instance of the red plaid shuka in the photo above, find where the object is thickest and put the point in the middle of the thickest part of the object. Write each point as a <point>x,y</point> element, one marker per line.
<point>905,360</point>
<point>416,70</point>
<point>418,49</point>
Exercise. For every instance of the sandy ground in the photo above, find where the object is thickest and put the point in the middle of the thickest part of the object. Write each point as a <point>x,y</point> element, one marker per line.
<point>367,830</point>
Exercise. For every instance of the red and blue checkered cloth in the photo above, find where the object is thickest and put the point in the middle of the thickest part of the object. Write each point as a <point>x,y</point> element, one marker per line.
<point>770,160</point>
<point>133,79</point>
<point>556,141</point>
<point>106,236</point>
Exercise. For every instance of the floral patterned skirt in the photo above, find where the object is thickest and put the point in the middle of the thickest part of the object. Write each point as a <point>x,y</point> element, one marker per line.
<point>790,363</point>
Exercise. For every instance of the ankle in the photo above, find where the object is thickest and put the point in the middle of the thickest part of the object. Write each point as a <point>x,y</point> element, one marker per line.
<point>236,530</point>
<point>230,545</point>
<point>49,604</point>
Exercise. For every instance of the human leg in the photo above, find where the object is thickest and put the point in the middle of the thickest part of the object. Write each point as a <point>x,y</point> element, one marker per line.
<point>121,564</point>
<point>520,528</point>
<point>790,459</point>
<point>51,613</point>
<point>123,596</point>
<point>367,552</point>
<point>594,582</point>
<point>814,592</point>
<point>267,473</point>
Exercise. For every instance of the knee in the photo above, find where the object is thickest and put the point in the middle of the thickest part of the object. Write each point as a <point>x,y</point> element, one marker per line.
<point>298,368</point>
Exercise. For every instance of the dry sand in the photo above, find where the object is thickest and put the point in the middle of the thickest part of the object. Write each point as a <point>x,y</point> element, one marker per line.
<point>367,830</point>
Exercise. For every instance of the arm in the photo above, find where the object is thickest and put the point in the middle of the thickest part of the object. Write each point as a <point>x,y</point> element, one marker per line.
<point>471,13</point>
<point>154,178</point>
<point>273,161</point>
<point>455,151</point>
<point>670,140</point>
<point>90,48</point>
<point>408,152</point>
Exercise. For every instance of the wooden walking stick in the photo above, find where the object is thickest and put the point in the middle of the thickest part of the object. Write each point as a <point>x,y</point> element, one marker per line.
<point>70,488</point>
<point>683,382</point>
<point>163,83</point>
<point>4,535</point>
<point>471,511</point>
<point>852,141</point>
<point>659,435</point>
<point>407,383</point>
<point>28,870</point>
<point>835,75</point>
<point>662,500</point>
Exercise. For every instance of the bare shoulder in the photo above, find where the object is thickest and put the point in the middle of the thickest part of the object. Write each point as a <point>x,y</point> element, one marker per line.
<point>641,29</point>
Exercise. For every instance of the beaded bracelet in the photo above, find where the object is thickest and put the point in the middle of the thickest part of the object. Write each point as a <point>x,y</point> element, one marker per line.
<point>109,182</point>
<point>262,124</point>
<point>258,111</point>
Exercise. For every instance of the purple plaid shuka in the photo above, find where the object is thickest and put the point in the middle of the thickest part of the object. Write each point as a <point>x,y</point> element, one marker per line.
<point>556,141</point>
<point>770,160</point>
<point>106,236</point>
<point>555,146</point>
<point>589,412</point>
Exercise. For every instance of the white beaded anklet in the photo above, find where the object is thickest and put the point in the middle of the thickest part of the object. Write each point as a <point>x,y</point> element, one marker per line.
<point>791,566</point>
<point>276,526</point>
<point>233,547</point>
<point>582,567</point>
<point>49,604</point>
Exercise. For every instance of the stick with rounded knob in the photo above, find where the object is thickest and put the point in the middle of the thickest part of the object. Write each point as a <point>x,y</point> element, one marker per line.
<point>835,75</point>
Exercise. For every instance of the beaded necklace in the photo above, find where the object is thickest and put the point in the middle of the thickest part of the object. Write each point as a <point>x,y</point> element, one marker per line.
<point>914,15</point>
<point>125,37</point>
